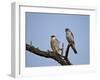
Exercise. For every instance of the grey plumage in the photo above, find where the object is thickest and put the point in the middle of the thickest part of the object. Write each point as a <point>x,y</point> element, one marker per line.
<point>70,39</point>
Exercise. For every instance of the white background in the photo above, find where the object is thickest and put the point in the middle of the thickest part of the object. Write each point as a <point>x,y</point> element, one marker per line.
<point>5,41</point>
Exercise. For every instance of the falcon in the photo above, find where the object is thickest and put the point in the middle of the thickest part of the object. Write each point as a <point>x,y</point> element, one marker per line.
<point>54,44</point>
<point>70,39</point>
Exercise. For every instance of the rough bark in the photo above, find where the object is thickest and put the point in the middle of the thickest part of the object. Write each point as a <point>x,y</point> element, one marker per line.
<point>48,54</point>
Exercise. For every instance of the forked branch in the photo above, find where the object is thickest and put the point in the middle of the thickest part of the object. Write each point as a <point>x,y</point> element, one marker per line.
<point>48,54</point>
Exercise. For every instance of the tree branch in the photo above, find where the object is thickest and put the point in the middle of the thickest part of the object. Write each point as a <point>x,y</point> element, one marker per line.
<point>67,50</point>
<point>48,54</point>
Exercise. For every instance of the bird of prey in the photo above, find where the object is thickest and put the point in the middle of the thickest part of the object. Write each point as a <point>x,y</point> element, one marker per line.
<point>54,44</point>
<point>70,39</point>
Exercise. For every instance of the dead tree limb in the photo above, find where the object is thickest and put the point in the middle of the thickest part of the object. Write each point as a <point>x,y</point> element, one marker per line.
<point>62,50</point>
<point>67,50</point>
<point>48,54</point>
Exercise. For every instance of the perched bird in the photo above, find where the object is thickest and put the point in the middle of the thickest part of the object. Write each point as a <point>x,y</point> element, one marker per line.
<point>70,39</point>
<point>54,44</point>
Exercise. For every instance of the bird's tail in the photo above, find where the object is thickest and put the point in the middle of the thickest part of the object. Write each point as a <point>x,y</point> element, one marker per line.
<point>73,47</point>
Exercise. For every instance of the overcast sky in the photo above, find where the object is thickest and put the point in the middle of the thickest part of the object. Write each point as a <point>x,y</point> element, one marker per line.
<point>39,28</point>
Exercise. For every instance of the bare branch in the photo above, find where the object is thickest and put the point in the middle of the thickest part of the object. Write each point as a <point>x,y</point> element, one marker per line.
<point>62,49</point>
<point>67,50</point>
<point>48,54</point>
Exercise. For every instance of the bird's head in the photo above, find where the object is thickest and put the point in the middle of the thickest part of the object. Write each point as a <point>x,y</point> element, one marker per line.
<point>67,29</point>
<point>53,36</point>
